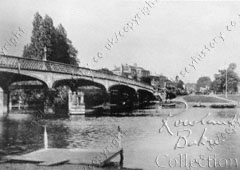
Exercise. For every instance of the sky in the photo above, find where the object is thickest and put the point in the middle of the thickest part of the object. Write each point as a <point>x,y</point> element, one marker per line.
<point>163,41</point>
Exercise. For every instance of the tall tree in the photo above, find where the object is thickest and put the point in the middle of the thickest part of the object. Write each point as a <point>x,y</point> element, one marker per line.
<point>64,50</point>
<point>47,38</point>
<point>232,79</point>
<point>44,34</point>
<point>180,85</point>
<point>203,82</point>
<point>33,50</point>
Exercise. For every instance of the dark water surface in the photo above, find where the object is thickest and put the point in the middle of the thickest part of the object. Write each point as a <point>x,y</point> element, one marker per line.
<point>144,147</point>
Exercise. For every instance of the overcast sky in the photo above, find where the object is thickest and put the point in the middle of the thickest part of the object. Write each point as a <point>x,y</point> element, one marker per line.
<point>163,42</point>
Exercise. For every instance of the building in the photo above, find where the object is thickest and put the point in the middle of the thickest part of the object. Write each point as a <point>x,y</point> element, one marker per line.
<point>133,72</point>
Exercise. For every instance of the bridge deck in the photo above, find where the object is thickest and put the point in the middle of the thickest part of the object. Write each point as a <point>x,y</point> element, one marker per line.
<point>18,63</point>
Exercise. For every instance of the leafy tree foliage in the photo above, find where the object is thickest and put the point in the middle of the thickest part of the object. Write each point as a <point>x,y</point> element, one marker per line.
<point>203,82</point>
<point>219,84</point>
<point>44,34</point>
<point>146,80</point>
<point>180,85</point>
<point>160,81</point>
<point>105,70</point>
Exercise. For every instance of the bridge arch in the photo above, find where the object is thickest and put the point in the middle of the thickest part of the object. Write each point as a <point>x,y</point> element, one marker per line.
<point>123,95</point>
<point>145,94</point>
<point>7,78</point>
<point>53,74</point>
<point>49,72</point>
<point>122,87</point>
<point>95,93</point>
<point>75,83</point>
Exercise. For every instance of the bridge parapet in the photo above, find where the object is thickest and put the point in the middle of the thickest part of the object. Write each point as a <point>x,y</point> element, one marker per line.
<point>16,62</point>
<point>13,62</point>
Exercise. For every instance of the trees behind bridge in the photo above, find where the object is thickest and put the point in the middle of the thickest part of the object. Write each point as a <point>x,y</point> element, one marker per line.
<point>44,34</point>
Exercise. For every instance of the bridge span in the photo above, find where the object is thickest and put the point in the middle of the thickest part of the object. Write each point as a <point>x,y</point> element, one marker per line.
<point>53,74</point>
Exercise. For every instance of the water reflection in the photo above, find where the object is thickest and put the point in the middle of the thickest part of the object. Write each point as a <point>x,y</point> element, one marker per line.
<point>16,135</point>
<point>142,142</point>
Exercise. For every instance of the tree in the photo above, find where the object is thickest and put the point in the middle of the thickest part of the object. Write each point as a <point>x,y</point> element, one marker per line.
<point>106,71</point>
<point>64,50</point>
<point>47,38</point>
<point>33,50</point>
<point>44,34</point>
<point>159,82</point>
<point>146,80</point>
<point>216,85</point>
<point>232,66</point>
<point>170,94</point>
<point>219,84</point>
<point>135,77</point>
<point>180,85</point>
<point>203,82</point>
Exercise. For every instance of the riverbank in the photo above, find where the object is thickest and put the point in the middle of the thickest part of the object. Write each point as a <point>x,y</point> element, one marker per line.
<point>205,99</point>
<point>234,97</point>
<point>209,101</point>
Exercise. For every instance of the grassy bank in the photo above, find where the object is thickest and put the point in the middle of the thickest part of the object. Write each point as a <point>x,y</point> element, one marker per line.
<point>235,97</point>
<point>204,99</point>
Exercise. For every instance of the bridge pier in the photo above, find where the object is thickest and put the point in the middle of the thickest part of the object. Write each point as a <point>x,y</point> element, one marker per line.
<point>49,107</point>
<point>137,100</point>
<point>10,103</point>
<point>6,104</point>
<point>107,98</point>
<point>76,105</point>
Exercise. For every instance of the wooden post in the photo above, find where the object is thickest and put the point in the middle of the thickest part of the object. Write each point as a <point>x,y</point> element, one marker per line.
<point>69,100</point>
<point>45,138</point>
<point>121,158</point>
<point>121,147</point>
<point>120,152</point>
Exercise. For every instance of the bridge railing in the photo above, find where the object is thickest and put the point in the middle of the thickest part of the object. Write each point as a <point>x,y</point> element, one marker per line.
<point>49,66</point>
<point>22,63</point>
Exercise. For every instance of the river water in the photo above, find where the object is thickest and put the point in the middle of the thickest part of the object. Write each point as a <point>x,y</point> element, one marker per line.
<point>145,147</point>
